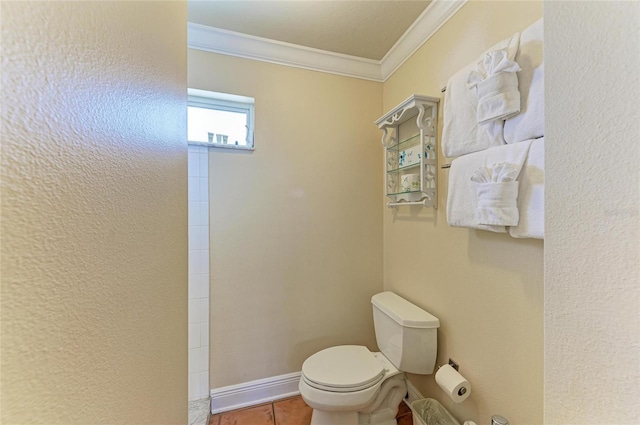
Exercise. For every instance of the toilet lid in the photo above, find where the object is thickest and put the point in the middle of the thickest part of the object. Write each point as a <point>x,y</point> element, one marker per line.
<point>343,368</point>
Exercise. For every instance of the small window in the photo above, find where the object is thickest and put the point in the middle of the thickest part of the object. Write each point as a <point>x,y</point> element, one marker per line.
<point>220,120</point>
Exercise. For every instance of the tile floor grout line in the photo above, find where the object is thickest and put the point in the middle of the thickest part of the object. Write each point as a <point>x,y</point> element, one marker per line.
<point>273,409</point>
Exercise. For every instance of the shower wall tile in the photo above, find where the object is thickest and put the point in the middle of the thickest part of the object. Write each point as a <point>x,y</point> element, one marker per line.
<point>194,335</point>
<point>194,313</point>
<point>203,189</point>
<point>199,359</point>
<point>198,385</point>
<point>199,237</point>
<point>198,286</point>
<point>193,164</point>
<point>203,383</point>
<point>204,333</point>
<point>193,189</point>
<point>198,214</point>
<point>198,198</point>
<point>200,310</point>
<point>204,165</point>
<point>198,261</point>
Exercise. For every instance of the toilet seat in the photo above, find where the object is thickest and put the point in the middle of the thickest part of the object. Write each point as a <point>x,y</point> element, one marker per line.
<point>343,369</point>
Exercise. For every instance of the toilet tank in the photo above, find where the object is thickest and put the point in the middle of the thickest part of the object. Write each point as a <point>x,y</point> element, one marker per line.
<point>406,334</point>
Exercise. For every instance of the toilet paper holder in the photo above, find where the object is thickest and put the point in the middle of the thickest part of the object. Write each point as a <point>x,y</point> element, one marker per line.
<point>453,364</point>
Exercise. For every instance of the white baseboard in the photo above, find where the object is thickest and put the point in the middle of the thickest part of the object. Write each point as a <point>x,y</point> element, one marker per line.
<point>254,392</point>
<point>270,389</point>
<point>414,394</point>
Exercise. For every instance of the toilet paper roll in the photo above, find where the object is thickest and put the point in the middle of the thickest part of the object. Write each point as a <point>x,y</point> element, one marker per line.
<point>452,383</point>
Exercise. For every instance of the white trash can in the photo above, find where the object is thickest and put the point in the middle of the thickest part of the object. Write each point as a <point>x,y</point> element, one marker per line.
<point>428,411</point>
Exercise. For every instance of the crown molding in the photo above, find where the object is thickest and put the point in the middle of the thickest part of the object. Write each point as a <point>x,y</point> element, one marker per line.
<point>210,39</point>
<point>423,28</point>
<point>232,43</point>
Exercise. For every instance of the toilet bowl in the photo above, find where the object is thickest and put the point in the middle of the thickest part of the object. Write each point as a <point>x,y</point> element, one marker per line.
<point>357,384</point>
<point>350,385</point>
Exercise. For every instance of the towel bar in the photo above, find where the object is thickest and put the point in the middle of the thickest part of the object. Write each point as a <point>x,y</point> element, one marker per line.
<point>424,203</point>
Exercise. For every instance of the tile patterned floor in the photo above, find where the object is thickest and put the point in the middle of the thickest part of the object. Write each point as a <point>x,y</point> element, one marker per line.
<point>199,411</point>
<point>290,411</point>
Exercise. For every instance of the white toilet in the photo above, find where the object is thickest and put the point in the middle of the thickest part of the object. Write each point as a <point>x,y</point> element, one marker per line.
<point>350,385</point>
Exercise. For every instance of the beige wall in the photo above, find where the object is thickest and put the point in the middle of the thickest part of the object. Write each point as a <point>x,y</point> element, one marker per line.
<point>486,288</point>
<point>296,226</point>
<point>592,250</point>
<point>94,213</point>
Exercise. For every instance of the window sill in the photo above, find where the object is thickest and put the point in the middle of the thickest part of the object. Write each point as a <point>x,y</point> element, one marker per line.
<point>221,146</point>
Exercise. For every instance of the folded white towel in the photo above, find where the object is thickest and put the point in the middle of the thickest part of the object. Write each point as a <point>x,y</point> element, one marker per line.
<point>498,97</point>
<point>461,133</point>
<point>496,173</point>
<point>529,123</point>
<point>496,83</point>
<point>497,193</point>
<point>497,204</point>
<point>492,63</point>
<point>460,129</point>
<point>531,194</point>
<point>462,199</point>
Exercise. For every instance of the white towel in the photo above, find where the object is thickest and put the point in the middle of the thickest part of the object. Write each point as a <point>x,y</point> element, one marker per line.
<point>496,84</point>
<point>531,194</point>
<point>460,129</point>
<point>529,123</point>
<point>461,133</point>
<point>462,199</point>
<point>497,193</point>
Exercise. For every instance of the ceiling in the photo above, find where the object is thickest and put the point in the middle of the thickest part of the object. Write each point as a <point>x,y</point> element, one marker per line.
<point>362,28</point>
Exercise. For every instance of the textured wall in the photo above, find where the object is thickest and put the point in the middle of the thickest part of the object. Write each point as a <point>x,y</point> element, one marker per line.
<point>94,213</point>
<point>296,236</point>
<point>486,288</point>
<point>592,250</point>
